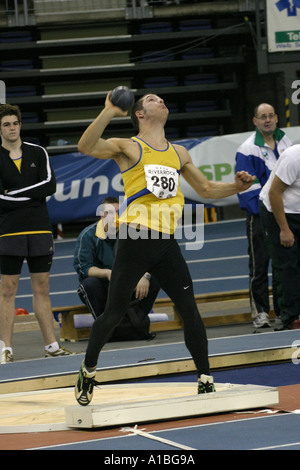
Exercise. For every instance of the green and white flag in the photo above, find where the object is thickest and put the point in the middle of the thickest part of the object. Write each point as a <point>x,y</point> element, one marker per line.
<point>283,24</point>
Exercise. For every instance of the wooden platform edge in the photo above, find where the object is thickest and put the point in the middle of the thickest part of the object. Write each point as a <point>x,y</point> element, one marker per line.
<point>45,410</point>
<point>230,398</point>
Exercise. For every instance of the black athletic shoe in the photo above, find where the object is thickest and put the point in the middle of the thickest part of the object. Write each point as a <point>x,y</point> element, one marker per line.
<point>206,384</point>
<point>84,386</point>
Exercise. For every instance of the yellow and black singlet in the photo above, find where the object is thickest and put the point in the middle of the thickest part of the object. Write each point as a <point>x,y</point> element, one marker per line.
<point>153,197</point>
<point>18,162</point>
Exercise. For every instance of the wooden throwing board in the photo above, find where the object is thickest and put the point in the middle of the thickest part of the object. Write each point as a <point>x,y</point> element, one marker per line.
<point>157,402</point>
<point>125,404</point>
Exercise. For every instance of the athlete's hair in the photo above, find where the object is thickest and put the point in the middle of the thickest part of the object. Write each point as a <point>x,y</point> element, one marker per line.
<point>10,110</point>
<point>138,105</point>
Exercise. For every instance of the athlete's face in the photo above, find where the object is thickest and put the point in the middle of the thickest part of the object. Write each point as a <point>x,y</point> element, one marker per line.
<point>154,105</point>
<point>10,129</point>
<point>266,119</point>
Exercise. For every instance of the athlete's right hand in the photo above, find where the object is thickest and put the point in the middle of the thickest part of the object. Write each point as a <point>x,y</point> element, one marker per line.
<point>118,112</point>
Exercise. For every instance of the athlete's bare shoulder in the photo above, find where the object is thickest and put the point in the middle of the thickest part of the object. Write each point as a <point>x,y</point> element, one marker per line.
<point>183,153</point>
<point>129,152</point>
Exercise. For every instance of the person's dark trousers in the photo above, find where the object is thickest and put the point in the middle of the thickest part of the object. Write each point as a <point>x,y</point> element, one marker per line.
<point>93,293</point>
<point>259,260</point>
<point>163,259</point>
<point>286,261</point>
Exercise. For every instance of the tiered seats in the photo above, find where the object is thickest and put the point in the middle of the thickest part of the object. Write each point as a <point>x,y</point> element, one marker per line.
<point>60,77</point>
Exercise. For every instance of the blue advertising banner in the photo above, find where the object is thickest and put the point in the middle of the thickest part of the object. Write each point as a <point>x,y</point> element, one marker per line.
<point>82,183</point>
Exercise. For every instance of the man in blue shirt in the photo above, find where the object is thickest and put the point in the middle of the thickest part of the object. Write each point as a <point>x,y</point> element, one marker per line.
<point>258,155</point>
<point>93,259</point>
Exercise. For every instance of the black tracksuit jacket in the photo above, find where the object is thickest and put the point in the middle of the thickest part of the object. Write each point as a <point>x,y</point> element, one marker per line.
<point>23,194</point>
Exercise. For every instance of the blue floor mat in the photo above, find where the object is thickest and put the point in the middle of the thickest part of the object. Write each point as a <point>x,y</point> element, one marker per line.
<point>273,375</point>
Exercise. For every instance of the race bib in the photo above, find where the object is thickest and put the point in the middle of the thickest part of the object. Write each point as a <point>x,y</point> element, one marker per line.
<point>162,181</point>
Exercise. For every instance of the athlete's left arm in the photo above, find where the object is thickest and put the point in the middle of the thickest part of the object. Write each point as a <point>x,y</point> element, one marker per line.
<point>211,189</point>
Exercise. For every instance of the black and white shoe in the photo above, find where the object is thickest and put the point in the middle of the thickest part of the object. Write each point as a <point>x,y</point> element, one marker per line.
<point>206,384</point>
<point>84,386</point>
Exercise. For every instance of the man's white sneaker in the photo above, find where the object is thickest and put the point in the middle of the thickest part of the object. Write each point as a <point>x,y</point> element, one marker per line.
<point>58,353</point>
<point>6,356</point>
<point>262,320</point>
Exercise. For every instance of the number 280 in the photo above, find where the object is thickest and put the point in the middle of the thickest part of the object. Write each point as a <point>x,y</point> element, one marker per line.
<point>164,182</point>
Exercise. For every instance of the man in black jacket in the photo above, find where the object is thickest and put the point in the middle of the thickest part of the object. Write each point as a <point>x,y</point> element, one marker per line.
<point>26,179</point>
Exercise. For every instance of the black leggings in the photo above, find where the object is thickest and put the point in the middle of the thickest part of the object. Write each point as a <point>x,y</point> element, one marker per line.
<point>163,259</point>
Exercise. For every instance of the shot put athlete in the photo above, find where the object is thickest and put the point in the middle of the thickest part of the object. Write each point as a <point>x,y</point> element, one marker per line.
<point>147,222</point>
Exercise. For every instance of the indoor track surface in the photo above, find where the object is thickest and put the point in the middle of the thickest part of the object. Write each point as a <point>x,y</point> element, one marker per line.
<point>269,359</point>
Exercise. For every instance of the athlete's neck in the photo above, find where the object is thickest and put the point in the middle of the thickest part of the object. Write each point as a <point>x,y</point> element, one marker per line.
<point>156,140</point>
<point>14,148</point>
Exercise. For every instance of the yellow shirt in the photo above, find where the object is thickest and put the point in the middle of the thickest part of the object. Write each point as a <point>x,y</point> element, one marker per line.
<point>18,162</point>
<point>153,197</point>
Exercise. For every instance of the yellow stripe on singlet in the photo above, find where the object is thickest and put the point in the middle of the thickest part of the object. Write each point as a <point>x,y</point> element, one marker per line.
<point>24,233</point>
<point>18,162</point>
